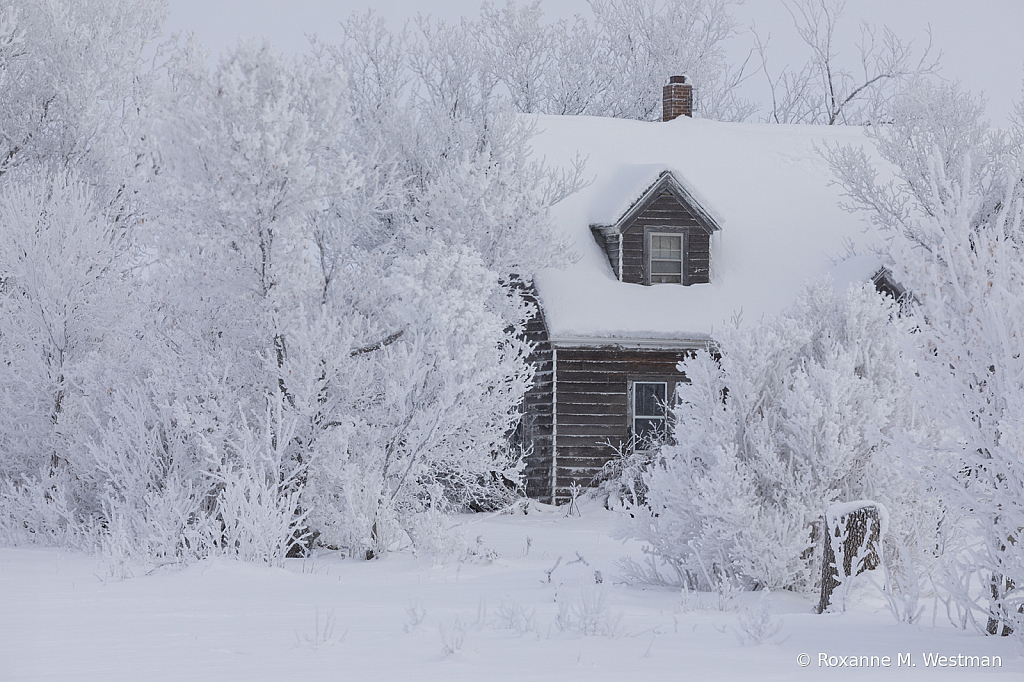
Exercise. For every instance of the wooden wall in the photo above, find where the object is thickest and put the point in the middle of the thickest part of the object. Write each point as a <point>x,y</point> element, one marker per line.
<point>610,245</point>
<point>698,257</point>
<point>535,428</point>
<point>665,215</point>
<point>592,409</point>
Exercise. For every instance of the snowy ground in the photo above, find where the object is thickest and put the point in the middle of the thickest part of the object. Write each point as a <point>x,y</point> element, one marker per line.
<point>401,618</point>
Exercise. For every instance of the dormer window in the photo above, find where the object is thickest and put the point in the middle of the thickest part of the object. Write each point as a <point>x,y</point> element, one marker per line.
<point>666,259</point>
<point>676,255</point>
<point>663,238</point>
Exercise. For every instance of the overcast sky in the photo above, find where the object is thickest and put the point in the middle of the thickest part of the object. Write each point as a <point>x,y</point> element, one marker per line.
<point>980,40</point>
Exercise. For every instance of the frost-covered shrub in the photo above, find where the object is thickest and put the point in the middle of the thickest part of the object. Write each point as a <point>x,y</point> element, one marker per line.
<point>953,229</point>
<point>138,467</point>
<point>241,240</point>
<point>258,490</point>
<point>758,625</point>
<point>795,415</point>
<point>39,510</point>
<point>423,427</point>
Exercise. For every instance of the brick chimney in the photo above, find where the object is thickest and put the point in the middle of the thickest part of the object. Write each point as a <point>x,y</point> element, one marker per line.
<point>677,98</point>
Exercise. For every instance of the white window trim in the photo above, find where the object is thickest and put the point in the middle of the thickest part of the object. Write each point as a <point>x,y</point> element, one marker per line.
<point>670,391</point>
<point>684,238</point>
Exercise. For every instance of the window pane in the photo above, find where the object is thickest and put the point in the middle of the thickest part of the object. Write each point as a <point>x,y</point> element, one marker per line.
<point>666,247</point>
<point>666,267</point>
<point>665,263</point>
<point>648,430</point>
<point>649,399</point>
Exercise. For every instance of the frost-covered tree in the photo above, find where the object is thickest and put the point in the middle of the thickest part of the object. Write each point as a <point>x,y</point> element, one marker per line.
<point>616,64</point>
<point>64,303</point>
<point>613,64</point>
<point>73,87</point>
<point>73,91</point>
<point>73,95</point>
<point>791,415</point>
<point>421,423</point>
<point>240,161</point>
<point>449,214</point>
<point>248,158</point>
<point>830,89</point>
<point>351,267</point>
<point>952,223</point>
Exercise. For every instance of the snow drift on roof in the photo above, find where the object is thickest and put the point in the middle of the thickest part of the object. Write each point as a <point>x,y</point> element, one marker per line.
<point>613,198</point>
<point>769,187</point>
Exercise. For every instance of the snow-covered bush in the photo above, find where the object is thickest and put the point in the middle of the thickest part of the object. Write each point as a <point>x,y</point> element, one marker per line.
<point>269,234</point>
<point>789,416</point>
<point>39,510</point>
<point>361,265</point>
<point>140,468</point>
<point>953,226</point>
<point>259,487</point>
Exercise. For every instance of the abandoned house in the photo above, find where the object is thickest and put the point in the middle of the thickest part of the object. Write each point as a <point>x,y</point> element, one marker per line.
<point>687,224</point>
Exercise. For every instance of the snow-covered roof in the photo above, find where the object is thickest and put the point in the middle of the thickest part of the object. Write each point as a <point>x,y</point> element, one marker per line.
<point>613,200</point>
<point>767,187</point>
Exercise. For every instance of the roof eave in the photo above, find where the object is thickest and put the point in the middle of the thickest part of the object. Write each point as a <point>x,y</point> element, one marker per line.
<point>695,343</point>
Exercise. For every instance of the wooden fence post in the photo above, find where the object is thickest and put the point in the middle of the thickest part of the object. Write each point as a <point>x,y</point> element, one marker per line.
<point>853,531</point>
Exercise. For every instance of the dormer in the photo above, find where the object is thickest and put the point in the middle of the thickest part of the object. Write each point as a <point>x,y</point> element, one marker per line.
<point>663,237</point>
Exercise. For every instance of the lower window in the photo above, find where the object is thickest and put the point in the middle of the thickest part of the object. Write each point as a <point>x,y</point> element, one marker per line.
<point>649,411</point>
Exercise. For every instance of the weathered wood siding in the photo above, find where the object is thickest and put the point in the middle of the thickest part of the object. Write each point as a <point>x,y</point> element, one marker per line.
<point>698,257</point>
<point>665,215</point>
<point>610,245</point>
<point>535,428</point>
<point>592,410</point>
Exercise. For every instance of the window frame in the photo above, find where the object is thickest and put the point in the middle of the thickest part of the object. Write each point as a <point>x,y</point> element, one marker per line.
<point>667,231</point>
<point>670,384</point>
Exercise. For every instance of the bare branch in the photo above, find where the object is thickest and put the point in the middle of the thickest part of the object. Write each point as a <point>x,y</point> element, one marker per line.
<point>825,90</point>
<point>387,341</point>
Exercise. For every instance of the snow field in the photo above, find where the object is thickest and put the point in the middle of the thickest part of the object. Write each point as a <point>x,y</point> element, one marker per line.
<point>406,618</point>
